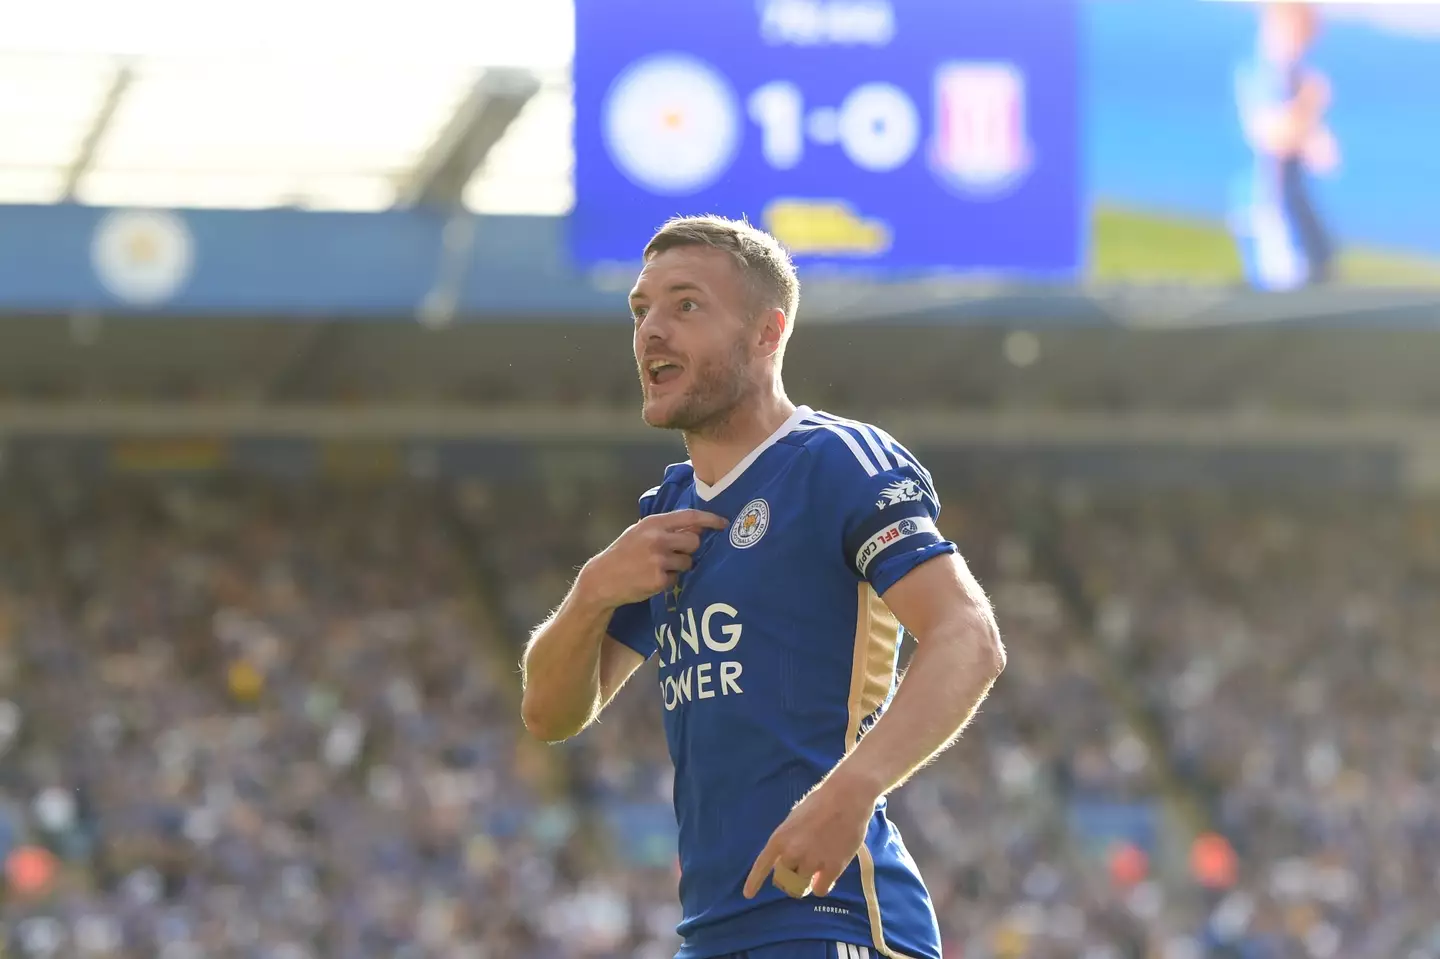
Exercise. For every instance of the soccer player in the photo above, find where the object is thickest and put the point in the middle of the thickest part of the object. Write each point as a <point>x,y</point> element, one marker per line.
<point>770,575</point>
<point>1284,241</point>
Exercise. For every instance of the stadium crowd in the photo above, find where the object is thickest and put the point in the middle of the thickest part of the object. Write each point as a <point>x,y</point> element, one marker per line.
<point>256,721</point>
<point>258,718</point>
<point>1284,648</point>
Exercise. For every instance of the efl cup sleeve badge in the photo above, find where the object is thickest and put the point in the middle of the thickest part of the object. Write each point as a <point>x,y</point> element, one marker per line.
<point>981,147</point>
<point>750,525</point>
<point>896,532</point>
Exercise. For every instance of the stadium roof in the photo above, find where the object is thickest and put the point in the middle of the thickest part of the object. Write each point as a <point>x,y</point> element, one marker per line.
<point>323,104</point>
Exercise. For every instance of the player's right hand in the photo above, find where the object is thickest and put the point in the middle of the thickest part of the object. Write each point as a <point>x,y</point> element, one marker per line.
<point>649,557</point>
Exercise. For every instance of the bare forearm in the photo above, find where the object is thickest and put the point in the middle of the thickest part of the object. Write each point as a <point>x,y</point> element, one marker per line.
<point>949,676</point>
<point>561,667</point>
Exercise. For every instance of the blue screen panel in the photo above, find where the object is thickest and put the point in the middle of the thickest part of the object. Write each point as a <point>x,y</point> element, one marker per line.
<point>883,135</point>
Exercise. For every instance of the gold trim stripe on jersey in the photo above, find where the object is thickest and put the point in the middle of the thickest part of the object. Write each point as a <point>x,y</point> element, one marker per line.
<point>877,635</point>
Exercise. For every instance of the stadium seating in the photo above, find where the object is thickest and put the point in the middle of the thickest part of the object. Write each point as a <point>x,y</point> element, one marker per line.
<point>265,718</point>
<point>1281,647</point>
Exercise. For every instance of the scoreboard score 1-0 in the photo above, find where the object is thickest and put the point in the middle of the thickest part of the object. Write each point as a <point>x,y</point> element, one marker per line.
<point>889,135</point>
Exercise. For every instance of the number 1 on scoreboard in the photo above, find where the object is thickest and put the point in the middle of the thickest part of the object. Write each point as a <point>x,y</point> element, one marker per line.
<point>779,109</point>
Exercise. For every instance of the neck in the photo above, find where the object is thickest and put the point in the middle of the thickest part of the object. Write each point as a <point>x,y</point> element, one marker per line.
<point>714,453</point>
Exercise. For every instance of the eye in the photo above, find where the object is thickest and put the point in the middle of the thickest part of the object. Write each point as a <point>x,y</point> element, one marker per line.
<point>687,306</point>
<point>638,313</point>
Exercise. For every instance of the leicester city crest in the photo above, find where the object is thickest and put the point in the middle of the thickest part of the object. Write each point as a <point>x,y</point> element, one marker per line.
<point>750,525</point>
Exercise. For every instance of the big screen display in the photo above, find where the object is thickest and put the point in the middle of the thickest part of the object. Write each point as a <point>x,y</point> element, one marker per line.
<point>870,134</point>
<point>1273,145</point>
<point>1269,145</point>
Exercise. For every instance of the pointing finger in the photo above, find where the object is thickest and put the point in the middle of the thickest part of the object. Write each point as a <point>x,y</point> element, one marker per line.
<point>681,541</point>
<point>763,864</point>
<point>694,519</point>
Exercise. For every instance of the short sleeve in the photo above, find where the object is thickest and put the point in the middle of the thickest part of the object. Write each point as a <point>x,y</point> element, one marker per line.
<point>889,522</point>
<point>631,625</point>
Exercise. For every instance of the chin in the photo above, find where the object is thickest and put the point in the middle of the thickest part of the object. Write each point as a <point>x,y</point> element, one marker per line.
<point>669,415</point>
<point>656,415</point>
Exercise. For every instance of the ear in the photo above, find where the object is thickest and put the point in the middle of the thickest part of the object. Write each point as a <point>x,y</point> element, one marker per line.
<point>771,329</point>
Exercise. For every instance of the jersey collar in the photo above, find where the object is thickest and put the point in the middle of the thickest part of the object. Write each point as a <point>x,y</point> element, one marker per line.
<point>707,492</point>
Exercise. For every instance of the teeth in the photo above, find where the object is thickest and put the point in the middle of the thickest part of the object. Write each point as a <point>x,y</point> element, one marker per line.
<point>657,365</point>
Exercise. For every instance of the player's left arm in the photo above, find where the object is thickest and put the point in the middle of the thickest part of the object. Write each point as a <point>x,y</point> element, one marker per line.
<point>896,547</point>
<point>958,656</point>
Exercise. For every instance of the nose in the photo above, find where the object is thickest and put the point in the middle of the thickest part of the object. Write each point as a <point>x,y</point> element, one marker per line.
<point>651,329</point>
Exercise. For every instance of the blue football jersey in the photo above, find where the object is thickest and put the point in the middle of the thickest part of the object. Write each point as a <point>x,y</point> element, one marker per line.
<point>776,652</point>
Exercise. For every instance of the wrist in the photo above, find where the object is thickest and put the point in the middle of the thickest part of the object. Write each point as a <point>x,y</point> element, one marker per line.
<point>855,779</point>
<point>588,594</point>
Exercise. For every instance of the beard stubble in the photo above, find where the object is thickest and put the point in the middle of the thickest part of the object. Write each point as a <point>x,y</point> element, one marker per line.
<point>718,388</point>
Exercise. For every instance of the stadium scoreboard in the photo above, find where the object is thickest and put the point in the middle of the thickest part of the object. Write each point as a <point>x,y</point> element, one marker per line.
<point>882,135</point>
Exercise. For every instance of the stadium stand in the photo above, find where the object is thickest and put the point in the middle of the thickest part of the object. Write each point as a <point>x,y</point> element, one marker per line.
<point>1280,648</point>
<point>252,720</point>
<point>263,717</point>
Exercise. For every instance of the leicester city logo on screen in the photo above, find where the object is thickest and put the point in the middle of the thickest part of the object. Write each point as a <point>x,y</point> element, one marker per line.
<point>671,124</point>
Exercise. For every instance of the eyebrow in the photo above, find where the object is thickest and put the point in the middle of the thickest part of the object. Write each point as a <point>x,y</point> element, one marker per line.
<point>683,287</point>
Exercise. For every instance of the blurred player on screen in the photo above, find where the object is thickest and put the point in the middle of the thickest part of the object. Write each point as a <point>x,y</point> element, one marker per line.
<point>770,575</point>
<point>1284,242</point>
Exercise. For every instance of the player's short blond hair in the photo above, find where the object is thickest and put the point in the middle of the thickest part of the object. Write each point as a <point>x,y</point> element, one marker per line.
<point>763,262</point>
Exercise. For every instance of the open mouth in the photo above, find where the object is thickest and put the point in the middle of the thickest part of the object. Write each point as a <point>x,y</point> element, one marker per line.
<point>660,372</point>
